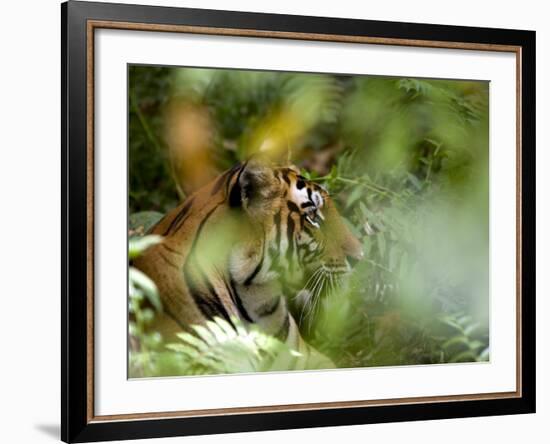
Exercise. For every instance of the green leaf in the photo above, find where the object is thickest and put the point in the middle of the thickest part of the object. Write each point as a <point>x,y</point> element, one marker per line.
<point>137,246</point>
<point>449,321</point>
<point>466,356</point>
<point>394,257</point>
<point>456,341</point>
<point>470,329</point>
<point>204,334</point>
<point>475,345</point>
<point>141,222</point>
<point>381,240</point>
<point>484,355</point>
<point>354,196</point>
<point>414,180</point>
<point>220,348</point>
<point>193,340</point>
<point>226,326</point>
<point>146,285</point>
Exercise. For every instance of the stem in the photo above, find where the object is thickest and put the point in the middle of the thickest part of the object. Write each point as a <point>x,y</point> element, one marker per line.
<point>370,185</point>
<point>432,157</point>
<point>376,264</point>
<point>143,121</point>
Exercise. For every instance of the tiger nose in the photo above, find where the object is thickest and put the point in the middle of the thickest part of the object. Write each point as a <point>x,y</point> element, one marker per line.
<point>353,250</point>
<point>355,257</point>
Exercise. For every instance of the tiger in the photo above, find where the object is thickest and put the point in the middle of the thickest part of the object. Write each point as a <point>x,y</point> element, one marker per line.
<point>244,245</point>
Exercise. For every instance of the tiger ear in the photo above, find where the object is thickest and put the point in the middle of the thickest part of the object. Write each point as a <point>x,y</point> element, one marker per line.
<point>255,188</point>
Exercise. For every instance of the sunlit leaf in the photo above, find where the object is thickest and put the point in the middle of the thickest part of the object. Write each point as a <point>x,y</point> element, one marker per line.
<point>136,246</point>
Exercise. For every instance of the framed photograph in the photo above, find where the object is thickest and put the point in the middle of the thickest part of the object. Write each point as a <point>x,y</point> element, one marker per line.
<point>276,221</point>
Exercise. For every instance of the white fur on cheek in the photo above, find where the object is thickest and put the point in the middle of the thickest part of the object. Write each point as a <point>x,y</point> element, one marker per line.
<point>299,196</point>
<point>317,199</point>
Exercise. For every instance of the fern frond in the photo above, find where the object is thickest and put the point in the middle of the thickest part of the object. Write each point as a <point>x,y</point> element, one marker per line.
<point>218,347</point>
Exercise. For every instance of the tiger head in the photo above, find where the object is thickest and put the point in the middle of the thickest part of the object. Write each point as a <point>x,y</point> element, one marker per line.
<point>308,244</point>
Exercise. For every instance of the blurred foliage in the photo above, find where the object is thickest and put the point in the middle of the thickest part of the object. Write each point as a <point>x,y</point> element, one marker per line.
<point>406,161</point>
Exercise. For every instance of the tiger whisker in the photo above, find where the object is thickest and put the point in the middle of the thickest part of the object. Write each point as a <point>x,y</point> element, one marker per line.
<point>317,292</point>
<point>312,293</point>
<point>313,278</point>
<point>314,275</point>
<point>318,282</point>
<point>336,280</point>
<point>322,279</point>
<point>307,307</point>
<point>331,282</point>
<point>317,301</point>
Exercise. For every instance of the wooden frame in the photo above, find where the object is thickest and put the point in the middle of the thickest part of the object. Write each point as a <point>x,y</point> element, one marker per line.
<point>79,21</point>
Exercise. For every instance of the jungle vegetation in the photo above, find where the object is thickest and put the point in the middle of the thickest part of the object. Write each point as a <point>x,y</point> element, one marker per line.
<point>406,161</point>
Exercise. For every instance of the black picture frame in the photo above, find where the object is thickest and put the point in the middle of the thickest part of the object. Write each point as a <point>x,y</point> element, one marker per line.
<point>76,423</point>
